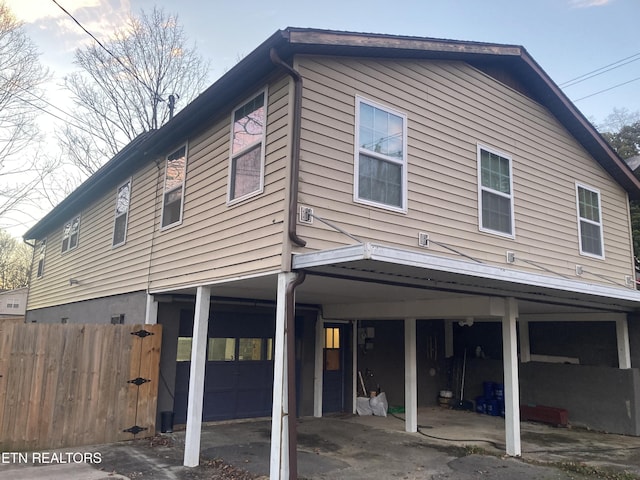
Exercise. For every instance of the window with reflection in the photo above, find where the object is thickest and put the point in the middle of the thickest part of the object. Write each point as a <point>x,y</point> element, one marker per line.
<point>70,234</point>
<point>174,187</point>
<point>123,197</point>
<point>247,148</point>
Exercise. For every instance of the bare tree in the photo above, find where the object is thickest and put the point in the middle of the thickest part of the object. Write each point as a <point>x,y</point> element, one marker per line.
<point>21,78</point>
<point>126,86</point>
<point>15,262</point>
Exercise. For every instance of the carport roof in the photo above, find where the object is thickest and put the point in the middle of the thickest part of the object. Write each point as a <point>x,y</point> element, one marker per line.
<point>369,262</point>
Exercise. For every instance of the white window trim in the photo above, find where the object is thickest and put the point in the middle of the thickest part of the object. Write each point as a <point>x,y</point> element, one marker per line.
<point>115,215</point>
<point>479,149</point>
<point>357,151</point>
<point>579,219</point>
<point>263,140</point>
<point>69,249</point>
<point>184,182</point>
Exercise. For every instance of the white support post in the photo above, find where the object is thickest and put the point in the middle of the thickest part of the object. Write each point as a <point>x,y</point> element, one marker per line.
<point>318,368</point>
<point>410,376</point>
<point>511,386</point>
<point>279,460</point>
<point>525,344</point>
<point>448,338</point>
<point>196,378</point>
<point>624,351</point>
<point>151,312</point>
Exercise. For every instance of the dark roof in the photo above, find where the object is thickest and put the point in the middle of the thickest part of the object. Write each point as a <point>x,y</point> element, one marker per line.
<point>252,70</point>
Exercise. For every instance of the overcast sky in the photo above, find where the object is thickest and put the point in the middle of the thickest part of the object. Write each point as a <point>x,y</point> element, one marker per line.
<point>568,38</point>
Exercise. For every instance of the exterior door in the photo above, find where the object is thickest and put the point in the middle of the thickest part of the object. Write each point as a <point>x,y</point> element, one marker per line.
<point>334,368</point>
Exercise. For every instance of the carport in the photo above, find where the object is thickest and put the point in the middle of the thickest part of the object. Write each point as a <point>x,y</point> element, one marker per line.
<point>367,281</point>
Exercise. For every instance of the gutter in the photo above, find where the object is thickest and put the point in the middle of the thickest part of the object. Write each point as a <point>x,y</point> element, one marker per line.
<point>292,409</point>
<point>295,146</point>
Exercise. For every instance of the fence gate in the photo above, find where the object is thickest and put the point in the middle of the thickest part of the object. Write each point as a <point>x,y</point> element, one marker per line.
<point>70,385</point>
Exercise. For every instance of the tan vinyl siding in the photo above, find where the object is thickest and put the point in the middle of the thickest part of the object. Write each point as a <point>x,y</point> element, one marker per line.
<point>215,240</point>
<point>100,269</point>
<point>451,108</point>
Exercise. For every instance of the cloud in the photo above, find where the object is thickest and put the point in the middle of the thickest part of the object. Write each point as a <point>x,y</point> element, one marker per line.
<point>589,3</point>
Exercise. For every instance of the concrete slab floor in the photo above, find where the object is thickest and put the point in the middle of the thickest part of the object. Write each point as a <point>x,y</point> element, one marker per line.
<point>451,445</point>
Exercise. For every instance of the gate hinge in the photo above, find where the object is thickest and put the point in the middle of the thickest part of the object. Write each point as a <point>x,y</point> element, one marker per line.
<point>139,381</point>
<point>142,333</point>
<point>135,429</point>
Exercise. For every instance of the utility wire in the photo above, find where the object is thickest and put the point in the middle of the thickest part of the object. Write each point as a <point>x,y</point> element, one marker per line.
<point>601,70</point>
<point>109,52</point>
<point>607,89</point>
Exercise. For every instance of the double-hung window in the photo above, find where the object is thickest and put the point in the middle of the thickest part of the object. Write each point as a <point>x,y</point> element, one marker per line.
<point>380,156</point>
<point>70,234</point>
<point>174,187</point>
<point>123,197</point>
<point>246,165</point>
<point>589,221</point>
<point>42,249</point>
<point>495,192</point>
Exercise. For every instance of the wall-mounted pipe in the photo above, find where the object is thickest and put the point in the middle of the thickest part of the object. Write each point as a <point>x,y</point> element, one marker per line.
<point>291,373</point>
<point>295,146</point>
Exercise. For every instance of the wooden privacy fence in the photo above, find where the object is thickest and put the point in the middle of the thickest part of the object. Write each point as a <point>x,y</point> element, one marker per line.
<point>70,385</point>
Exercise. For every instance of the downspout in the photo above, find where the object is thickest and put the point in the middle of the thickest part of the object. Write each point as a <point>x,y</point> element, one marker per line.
<point>291,374</point>
<point>295,146</point>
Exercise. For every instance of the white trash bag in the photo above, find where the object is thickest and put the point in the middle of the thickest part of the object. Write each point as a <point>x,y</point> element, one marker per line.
<point>379,404</point>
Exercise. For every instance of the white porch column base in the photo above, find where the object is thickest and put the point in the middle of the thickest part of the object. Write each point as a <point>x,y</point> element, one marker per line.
<point>279,459</point>
<point>511,385</point>
<point>410,376</point>
<point>624,351</point>
<point>196,378</point>
<point>318,370</point>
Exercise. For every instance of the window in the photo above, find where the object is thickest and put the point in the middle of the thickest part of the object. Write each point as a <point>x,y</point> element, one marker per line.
<point>13,303</point>
<point>123,196</point>
<point>380,156</point>
<point>41,252</point>
<point>246,167</point>
<point>183,353</point>
<point>222,349</point>
<point>495,192</point>
<point>174,187</point>
<point>70,234</point>
<point>589,221</point>
<point>332,348</point>
<point>117,319</point>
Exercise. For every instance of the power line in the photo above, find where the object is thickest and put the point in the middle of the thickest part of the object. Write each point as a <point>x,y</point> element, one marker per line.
<point>109,52</point>
<point>607,89</point>
<point>601,70</point>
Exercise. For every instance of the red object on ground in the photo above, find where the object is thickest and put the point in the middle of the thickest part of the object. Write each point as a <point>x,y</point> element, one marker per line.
<point>541,413</point>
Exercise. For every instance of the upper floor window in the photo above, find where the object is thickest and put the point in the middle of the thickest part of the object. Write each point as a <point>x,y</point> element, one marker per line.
<point>589,221</point>
<point>495,192</point>
<point>123,196</point>
<point>380,156</point>
<point>174,187</point>
<point>246,167</point>
<point>41,253</point>
<point>70,234</point>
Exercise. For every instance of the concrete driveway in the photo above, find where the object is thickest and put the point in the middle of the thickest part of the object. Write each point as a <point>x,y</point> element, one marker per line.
<point>453,445</point>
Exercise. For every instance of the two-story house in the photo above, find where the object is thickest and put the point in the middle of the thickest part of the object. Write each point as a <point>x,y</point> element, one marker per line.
<point>367,203</point>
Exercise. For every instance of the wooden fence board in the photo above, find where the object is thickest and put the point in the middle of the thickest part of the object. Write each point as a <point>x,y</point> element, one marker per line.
<point>66,385</point>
